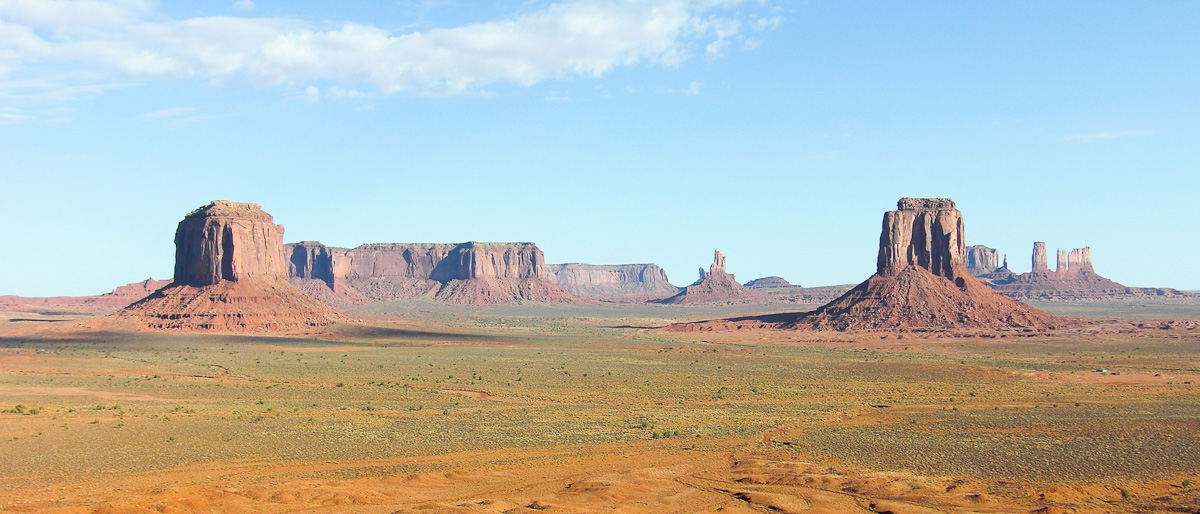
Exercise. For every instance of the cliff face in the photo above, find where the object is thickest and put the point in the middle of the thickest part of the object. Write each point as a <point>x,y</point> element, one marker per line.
<point>611,280</point>
<point>470,273</point>
<point>310,260</point>
<point>923,232</point>
<point>230,275</point>
<point>715,287</point>
<point>228,241</point>
<point>921,280</point>
<point>982,260</point>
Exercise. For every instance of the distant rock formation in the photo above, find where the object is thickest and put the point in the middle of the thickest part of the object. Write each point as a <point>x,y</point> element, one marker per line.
<point>1074,278</point>
<point>229,276</point>
<point>768,283</point>
<point>921,280</point>
<point>715,286</point>
<point>982,260</point>
<point>782,291</point>
<point>106,303</point>
<point>611,280</point>
<point>466,273</point>
<point>1039,258</point>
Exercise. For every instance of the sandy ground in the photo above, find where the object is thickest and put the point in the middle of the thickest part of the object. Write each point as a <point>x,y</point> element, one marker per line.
<point>804,390</point>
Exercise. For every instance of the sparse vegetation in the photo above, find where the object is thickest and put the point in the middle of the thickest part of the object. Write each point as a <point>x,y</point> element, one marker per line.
<point>912,407</point>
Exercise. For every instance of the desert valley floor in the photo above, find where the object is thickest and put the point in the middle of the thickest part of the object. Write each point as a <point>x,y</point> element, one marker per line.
<point>436,408</point>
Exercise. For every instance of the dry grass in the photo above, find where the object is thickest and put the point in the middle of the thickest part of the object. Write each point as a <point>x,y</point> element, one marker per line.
<point>514,389</point>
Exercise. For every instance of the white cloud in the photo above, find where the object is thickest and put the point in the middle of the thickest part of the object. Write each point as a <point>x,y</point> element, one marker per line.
<point>1100,136</point>
<point>693,88</point>
<point>169,113</point>
<point>244,5</point>
<point>764,23</point>
<point>65,44</point>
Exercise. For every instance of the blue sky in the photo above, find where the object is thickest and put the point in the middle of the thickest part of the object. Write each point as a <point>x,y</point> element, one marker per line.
<point>606,131</point>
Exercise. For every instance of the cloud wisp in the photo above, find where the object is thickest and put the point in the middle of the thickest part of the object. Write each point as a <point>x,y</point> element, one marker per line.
<point>1101,136</point>
<point>64,44</point>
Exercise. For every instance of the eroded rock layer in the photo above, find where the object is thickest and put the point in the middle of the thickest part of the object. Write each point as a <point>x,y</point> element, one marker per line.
<point>611,280</point>
<point>467,273</point>
<point>715,287</point>
<point>230,275</point>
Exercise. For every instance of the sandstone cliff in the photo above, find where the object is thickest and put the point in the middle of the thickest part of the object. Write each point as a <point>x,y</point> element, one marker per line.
<point>468,273</point>
<point>611,280</point>
<point>715,287</point>
<point>228,241</point>
<point>230,275</point>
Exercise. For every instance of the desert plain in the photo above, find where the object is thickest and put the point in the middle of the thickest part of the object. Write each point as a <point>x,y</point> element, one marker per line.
<point>595,408</point>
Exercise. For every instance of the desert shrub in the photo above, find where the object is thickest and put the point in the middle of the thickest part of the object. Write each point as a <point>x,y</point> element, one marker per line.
<point>1125,494</point>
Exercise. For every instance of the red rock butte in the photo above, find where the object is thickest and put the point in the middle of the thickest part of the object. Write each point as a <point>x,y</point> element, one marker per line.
<point>715,286</point>
<point>230,275</point>
<point>921,280</point>
<point>920,283</point>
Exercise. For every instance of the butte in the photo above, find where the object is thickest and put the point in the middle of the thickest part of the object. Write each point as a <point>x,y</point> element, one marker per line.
<point>230,275</point>
<point>920,283</point>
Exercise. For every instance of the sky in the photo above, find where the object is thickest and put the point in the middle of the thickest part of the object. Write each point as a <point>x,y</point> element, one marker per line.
<point>605,131</point>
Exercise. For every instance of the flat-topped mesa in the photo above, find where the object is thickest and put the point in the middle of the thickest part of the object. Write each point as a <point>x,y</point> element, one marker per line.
<point>617,280</point>
<point>925,233</point>
<point>228,241</point>
<point>471,273</point>
<point>499,260</point>
<point>1061,266</point>
<point>982,260</point>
